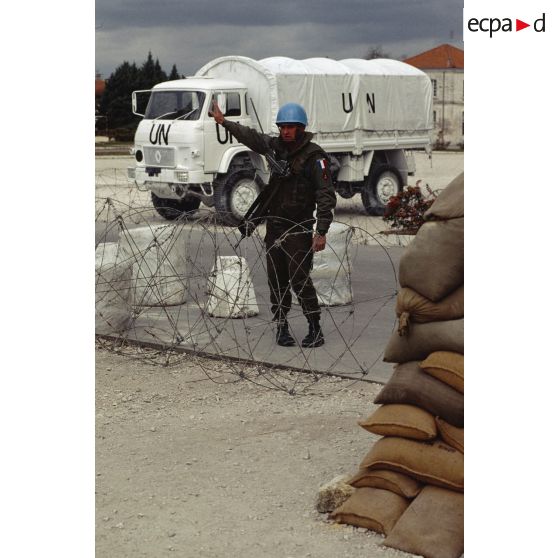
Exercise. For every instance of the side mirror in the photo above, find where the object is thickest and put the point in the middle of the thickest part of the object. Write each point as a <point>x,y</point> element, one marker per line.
<point>144,98</point>
<point>135,104</point>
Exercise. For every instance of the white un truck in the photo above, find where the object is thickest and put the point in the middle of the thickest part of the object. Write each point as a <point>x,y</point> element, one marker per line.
<point>366,114</point>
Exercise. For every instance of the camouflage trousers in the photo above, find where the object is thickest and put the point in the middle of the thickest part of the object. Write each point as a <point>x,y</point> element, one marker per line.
<point>289,262</point>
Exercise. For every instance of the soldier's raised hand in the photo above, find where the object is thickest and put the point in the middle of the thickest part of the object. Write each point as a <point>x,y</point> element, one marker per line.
<point>216,112</point>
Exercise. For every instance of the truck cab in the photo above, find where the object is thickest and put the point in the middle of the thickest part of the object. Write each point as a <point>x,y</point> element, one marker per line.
<point>184,158</point>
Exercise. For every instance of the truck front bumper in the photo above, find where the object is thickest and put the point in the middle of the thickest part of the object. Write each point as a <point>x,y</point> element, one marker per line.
<point>168,183</point>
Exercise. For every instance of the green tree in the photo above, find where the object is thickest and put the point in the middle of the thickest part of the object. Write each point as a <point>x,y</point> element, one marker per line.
<point>151,73</point>
<point>116,102</point>
<point>174,73</point>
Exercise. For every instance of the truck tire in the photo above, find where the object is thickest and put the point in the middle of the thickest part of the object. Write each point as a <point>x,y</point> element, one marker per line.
<point>347,189</point>
<point>174,209</point>
<point>234,194</point>
<point>382,183</point>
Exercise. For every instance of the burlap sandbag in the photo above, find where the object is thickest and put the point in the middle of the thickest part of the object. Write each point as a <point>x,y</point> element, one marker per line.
<point>451,435</point>
<point>388,480</point>
<point>429,462</point>
<point>450,203</point>
<point>424,339</point>
<point>413,307</point>
<point>432,526</point>
<point>447,367</point>
<point>409,385</point>
<point>406,421</point>
<point>432,264</point>
<point>373,508</point>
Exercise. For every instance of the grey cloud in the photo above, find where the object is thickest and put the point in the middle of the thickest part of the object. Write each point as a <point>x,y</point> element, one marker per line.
<point>190,34</point>
<point>114,14</point>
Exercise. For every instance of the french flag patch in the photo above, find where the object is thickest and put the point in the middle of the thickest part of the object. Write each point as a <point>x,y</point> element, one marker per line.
<point>323,166</point>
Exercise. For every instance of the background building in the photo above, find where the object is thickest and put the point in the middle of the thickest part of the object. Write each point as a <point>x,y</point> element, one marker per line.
<point>100,86</point>
<point>100,121</point>
<point>444,65</point>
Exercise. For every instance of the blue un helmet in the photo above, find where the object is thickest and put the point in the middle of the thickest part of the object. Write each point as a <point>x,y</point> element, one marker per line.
<point>291,113</point>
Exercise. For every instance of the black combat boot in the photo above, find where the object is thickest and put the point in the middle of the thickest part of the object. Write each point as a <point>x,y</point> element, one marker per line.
<point>283,337</point>
<point>315,337</point>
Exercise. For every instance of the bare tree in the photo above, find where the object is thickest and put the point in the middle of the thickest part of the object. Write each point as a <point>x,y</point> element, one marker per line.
<point>376,52</point>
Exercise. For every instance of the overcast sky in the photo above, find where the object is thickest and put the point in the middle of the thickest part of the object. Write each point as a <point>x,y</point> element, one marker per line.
<point>189,33</point>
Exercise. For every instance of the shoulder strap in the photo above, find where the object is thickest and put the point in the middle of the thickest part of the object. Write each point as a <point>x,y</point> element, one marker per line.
<point>310,152</point>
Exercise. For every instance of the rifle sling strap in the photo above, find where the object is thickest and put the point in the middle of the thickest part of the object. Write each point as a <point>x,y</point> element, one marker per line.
<point>261,203</point>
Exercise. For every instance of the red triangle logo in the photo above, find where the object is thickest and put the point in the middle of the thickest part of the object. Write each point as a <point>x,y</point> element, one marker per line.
<point>519,25</point>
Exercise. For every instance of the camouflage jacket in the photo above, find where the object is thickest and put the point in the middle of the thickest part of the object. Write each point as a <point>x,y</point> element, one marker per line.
<point>309,185</point>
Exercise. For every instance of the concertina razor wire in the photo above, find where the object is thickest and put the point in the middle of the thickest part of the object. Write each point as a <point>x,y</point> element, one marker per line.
<point>167,291</point>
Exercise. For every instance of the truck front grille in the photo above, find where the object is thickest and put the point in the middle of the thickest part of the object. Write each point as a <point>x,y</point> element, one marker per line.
<point>159,156</point>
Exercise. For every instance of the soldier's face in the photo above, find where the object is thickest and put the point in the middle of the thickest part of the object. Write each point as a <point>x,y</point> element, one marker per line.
<point>288,132</point>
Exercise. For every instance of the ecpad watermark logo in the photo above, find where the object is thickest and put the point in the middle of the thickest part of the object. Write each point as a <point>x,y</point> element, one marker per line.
<point>494,25</point>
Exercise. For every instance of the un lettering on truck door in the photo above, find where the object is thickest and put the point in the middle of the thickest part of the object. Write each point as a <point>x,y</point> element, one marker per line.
<point>217,139</point>
<point>227,136</point>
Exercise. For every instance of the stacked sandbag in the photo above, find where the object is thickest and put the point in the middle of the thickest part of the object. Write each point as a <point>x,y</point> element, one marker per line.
<point>410,484</point>
<point>411,384</point>
<point>411,304</point>
<point>431,269</point>
<point>432,526</point>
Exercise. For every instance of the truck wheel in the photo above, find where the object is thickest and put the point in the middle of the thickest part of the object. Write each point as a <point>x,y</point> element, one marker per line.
<point>382,183</point>
<point>346,189</point>
<point>174,209</point>
<point>234,194</point>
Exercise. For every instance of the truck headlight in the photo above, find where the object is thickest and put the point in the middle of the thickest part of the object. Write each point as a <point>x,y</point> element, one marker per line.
<point>181,176</point>
<point>139,156</point>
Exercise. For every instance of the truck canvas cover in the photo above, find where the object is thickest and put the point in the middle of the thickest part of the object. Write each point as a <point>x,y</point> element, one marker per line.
<point>375,96</point>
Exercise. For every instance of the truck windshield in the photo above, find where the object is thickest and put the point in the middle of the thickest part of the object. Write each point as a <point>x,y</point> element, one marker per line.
<point>170,105</point>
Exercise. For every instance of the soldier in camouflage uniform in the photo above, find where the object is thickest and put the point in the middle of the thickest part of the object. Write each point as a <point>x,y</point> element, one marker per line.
<point>290,240</point>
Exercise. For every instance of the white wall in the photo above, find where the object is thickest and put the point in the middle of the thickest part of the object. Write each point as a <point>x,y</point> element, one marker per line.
<point>448,106</point>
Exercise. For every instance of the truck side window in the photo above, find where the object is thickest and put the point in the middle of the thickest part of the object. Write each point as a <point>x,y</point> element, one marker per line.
<point>233,104</point>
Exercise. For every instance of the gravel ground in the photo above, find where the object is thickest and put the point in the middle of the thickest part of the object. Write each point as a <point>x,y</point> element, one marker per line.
<point>191,460</point>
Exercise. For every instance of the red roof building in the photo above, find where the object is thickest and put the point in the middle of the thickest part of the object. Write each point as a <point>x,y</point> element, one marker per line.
<point>444,65</point>
<point>442,57</point>
<point>100,85</point>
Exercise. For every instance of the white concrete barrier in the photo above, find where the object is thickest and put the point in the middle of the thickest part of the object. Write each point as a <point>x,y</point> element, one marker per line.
<point>159,267</point>
<point>331,272</point>
<point>231,293</point>
<point>113,311</point>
